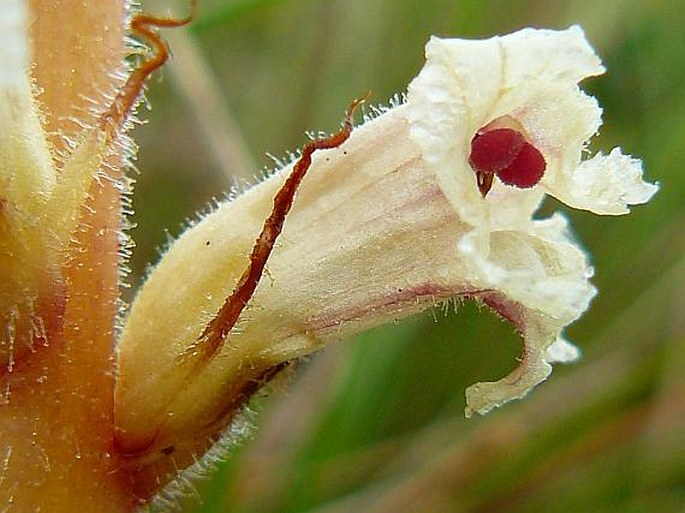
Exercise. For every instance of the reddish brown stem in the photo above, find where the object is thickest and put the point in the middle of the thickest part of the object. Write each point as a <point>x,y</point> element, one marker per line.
<point>214,335</point>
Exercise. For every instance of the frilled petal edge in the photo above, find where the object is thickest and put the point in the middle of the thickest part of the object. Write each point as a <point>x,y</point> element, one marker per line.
<point>539,280</point>
<point>606,184</point>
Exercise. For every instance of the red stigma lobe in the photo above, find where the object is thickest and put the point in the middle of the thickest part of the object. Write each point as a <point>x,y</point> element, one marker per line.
<point>506,153</point>
<point>495,149</point>
<point>526,170</point>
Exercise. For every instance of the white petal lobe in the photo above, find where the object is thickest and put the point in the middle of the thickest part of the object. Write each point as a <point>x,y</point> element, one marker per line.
<point>608,184</point>
<point>562,351</point>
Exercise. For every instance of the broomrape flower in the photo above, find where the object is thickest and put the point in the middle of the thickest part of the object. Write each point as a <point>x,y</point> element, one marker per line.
<point>433,199</point>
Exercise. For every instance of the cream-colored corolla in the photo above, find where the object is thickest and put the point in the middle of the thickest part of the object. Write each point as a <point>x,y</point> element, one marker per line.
<point>394,221</point>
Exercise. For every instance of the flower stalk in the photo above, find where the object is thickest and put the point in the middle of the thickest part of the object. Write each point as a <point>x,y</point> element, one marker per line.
<point>65,101</point>
<point>56,415</point>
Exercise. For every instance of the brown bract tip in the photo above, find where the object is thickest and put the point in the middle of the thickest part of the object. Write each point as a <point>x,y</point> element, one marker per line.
<point>215,333</point>
<point>142,26</point>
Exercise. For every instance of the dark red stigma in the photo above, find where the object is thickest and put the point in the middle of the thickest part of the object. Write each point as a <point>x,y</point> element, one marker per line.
<point>495,149</point>
<point>505,152</point>
<point>526,170</point>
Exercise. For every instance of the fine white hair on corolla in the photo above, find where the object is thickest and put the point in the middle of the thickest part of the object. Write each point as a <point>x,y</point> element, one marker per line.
<point>431,200</point>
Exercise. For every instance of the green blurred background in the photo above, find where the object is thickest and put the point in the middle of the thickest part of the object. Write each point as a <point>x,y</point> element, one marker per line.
<point>376,424</point>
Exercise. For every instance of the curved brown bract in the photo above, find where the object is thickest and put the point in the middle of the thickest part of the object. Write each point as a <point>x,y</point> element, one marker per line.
<point>142,26</point>
<point>214,335</point>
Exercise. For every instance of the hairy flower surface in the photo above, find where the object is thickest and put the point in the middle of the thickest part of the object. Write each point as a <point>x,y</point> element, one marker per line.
<point>40,202</point>
<point>60,72</point>
<point>66,96</point>
<point>412,210</point>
